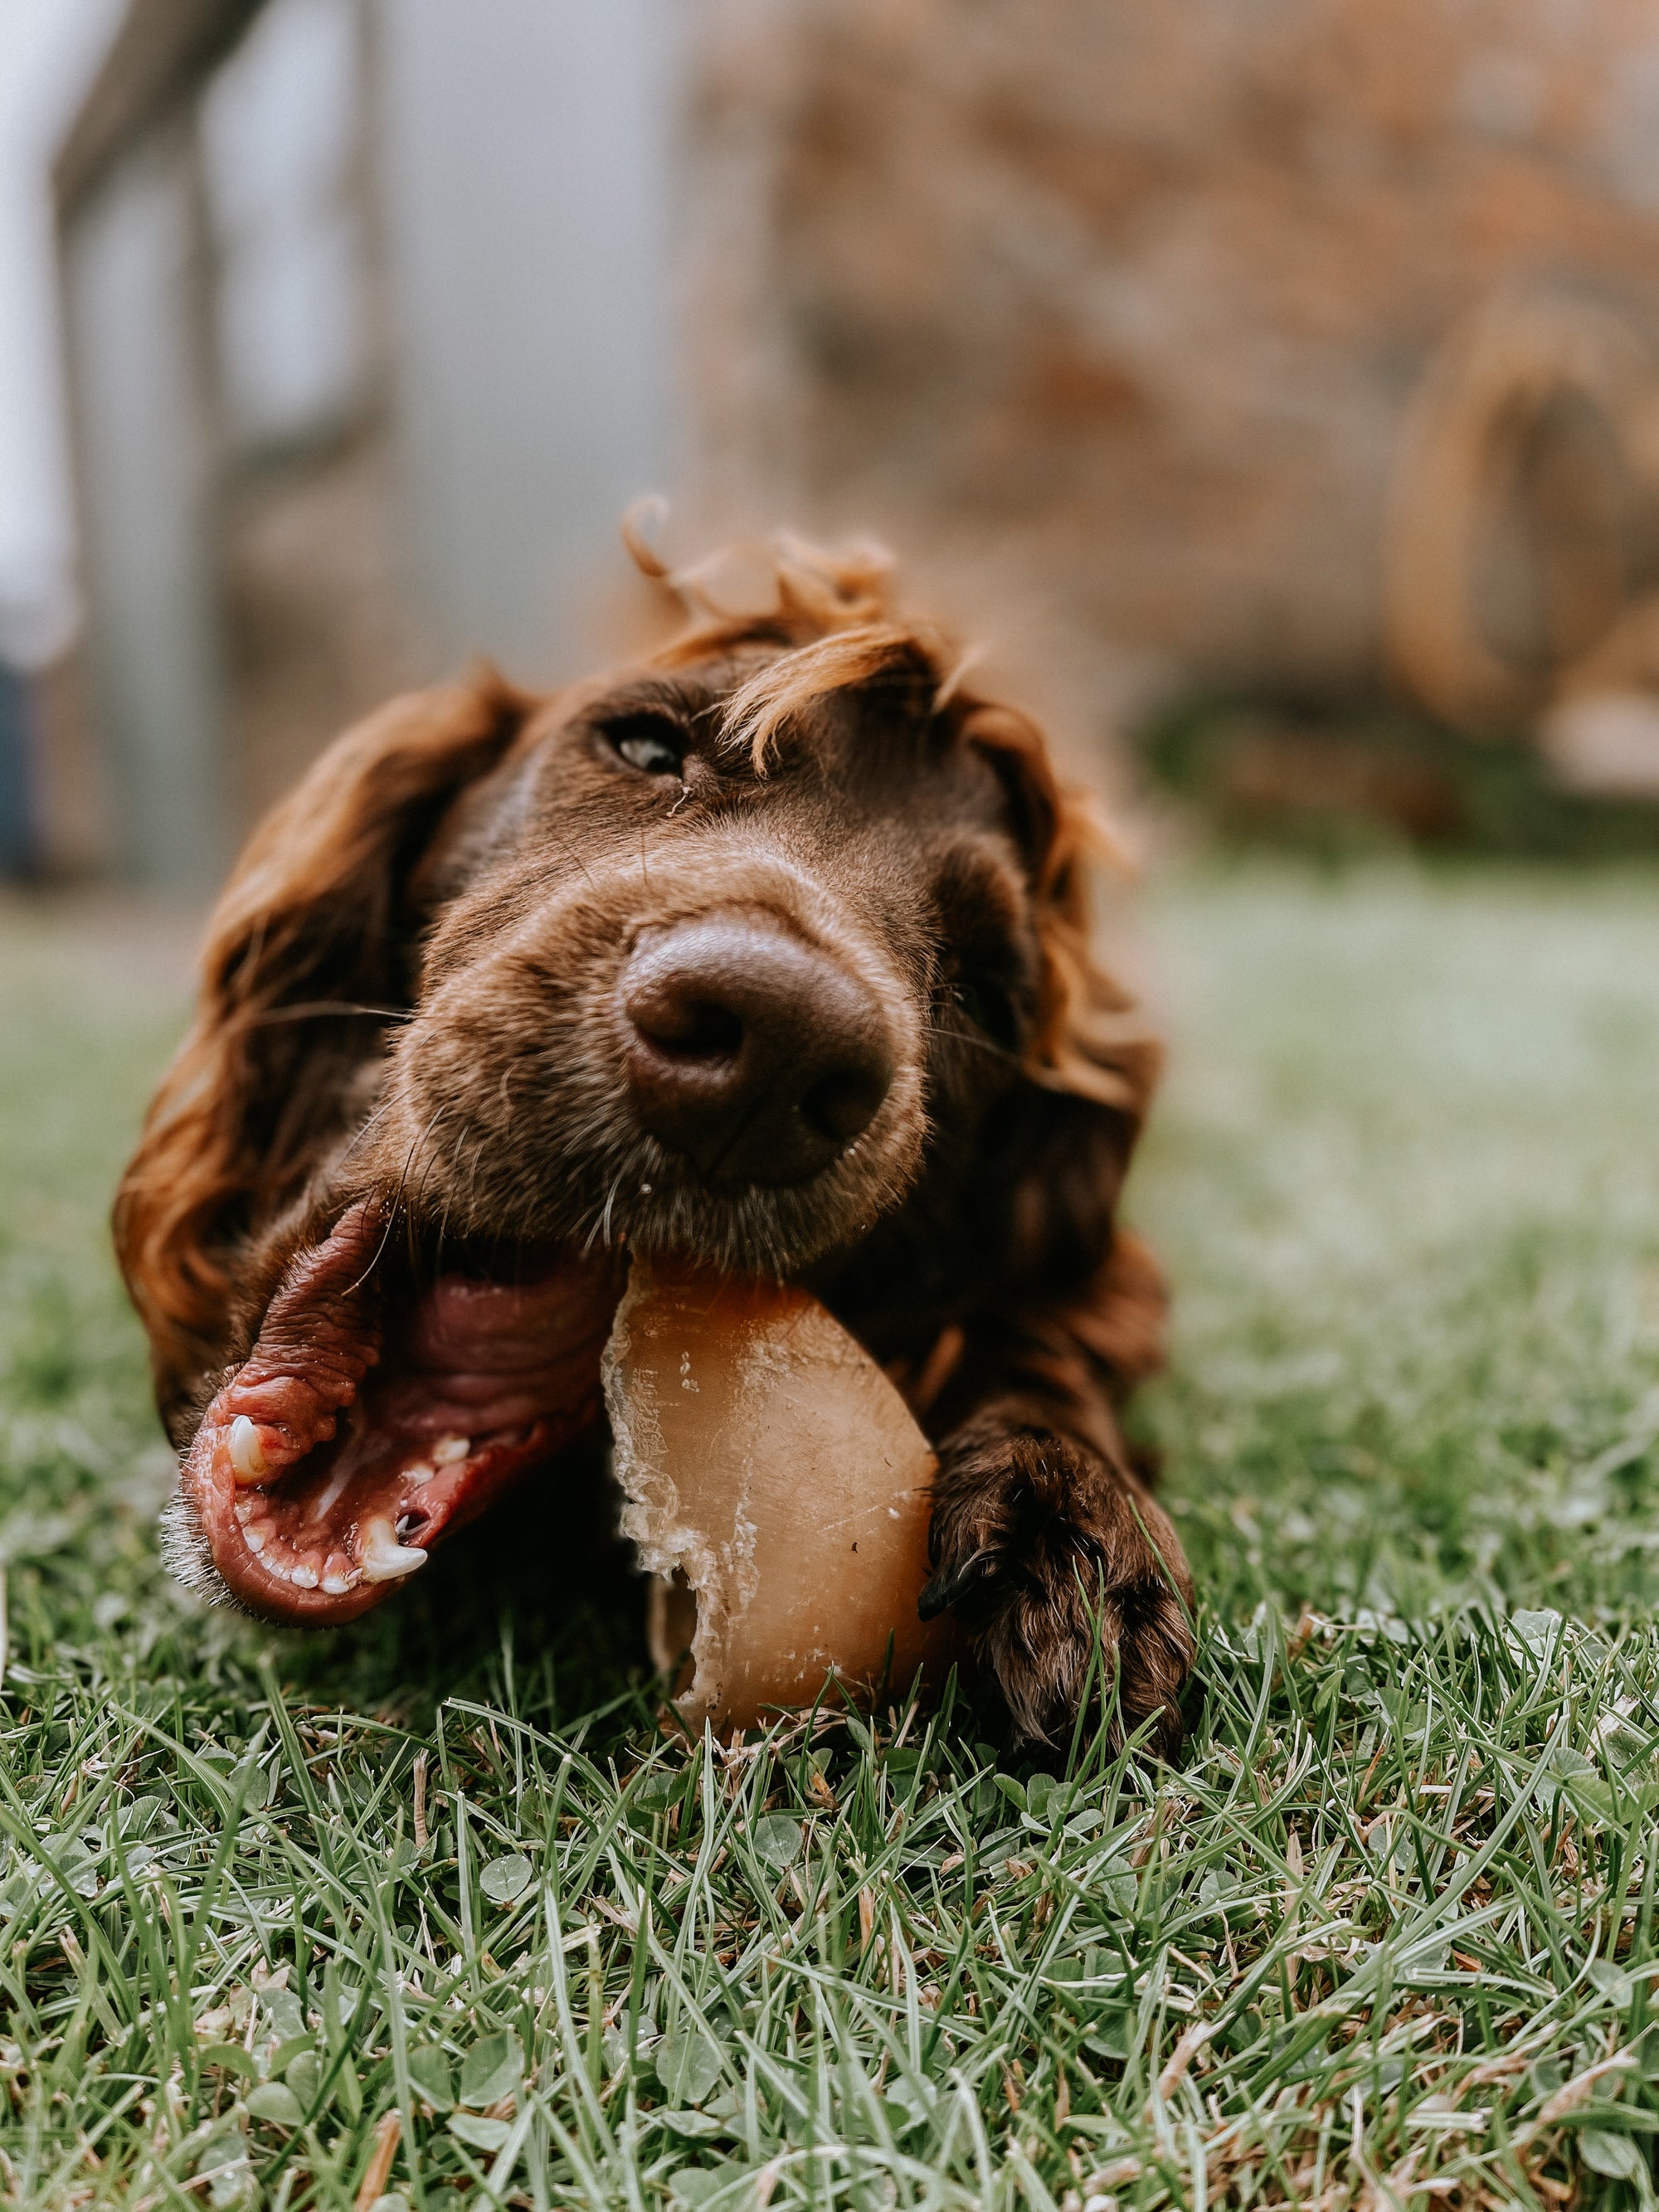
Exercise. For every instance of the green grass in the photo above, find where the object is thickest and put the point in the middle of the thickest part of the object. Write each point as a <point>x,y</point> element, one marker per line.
<point>442,1884</point>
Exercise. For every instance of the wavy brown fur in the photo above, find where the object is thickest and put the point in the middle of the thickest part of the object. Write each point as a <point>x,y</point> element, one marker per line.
<point>1045,1534</point>
<point>304,932</point>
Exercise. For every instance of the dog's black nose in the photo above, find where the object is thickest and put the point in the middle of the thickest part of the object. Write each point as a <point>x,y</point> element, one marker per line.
<point>750,1051</point>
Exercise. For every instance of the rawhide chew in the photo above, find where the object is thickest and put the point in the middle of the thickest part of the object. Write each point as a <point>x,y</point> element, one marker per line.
<point>776,1487</point>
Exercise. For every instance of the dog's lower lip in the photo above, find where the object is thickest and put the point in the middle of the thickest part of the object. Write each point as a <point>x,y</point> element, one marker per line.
<point>377,1554</point>
<point>323,1473</point>
<point>309,1568</point>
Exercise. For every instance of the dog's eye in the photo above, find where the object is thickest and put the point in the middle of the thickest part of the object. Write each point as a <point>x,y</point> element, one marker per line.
<point>987,1008</point>
<point>649,742</point>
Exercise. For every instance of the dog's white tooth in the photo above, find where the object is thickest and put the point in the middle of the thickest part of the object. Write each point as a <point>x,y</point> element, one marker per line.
<point>247,1453</point>
<point>256,1539</point>
<point>338,1585</point>
<point>392,1564</point>
<point>419,1473</point>
<point>384,1559</point>
<point>304,1577</point>
<point>242,1509</point>
<point>448,1450</point>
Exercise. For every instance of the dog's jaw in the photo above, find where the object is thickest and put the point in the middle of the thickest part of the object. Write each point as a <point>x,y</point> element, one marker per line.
<point>372,1416</point>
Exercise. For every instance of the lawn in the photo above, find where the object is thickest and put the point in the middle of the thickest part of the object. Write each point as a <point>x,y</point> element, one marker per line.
<point>434,1910</point>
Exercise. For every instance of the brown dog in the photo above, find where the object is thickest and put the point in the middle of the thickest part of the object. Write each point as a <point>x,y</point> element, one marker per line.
<point>772,953</point>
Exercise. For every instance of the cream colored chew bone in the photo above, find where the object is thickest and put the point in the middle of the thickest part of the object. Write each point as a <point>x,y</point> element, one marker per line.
<point>777,1486</point>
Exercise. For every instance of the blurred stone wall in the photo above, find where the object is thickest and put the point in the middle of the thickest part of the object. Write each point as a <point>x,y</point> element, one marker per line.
<point>1130,299</point>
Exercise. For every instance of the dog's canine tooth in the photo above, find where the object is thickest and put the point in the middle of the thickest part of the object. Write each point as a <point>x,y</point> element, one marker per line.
<point>247,1453</point>
<point>448,1450</point>
<point>384,1559</point>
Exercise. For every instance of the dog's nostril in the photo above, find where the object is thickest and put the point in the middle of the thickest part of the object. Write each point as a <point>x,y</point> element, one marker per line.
<point>681,1024</point>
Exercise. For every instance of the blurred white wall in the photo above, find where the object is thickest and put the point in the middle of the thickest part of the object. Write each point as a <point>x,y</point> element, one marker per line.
<point>48,51</point>
<point>155,656</point>
<point>279,145</point>
<point>527,157</point>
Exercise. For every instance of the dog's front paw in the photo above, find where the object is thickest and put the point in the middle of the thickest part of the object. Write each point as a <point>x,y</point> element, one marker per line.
<point>1037,1547</point>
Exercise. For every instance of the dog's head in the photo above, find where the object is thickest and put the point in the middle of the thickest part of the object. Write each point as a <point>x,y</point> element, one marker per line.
<point>723,958</point>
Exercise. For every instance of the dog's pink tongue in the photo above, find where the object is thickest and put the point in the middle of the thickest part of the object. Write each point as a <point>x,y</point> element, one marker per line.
<point>342,1448</point>
<point>482,1357</point>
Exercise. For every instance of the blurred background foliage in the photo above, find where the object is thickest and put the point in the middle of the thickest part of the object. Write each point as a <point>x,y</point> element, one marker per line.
<point>1201,360</point>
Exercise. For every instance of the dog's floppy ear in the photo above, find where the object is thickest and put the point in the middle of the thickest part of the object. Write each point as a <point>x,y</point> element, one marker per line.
<point>308,953</point>
<point>1059,1147</point>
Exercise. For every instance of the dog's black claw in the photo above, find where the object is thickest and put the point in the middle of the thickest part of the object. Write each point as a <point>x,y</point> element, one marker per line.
<point>950,1584</point>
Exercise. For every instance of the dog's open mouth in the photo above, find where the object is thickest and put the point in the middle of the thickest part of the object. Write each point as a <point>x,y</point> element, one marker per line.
<point>365,1426</point>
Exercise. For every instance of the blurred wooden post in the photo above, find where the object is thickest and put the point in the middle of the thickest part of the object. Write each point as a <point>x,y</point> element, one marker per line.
<point>256,578</point>
<point>136,309</point>
<point>145,442</point>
